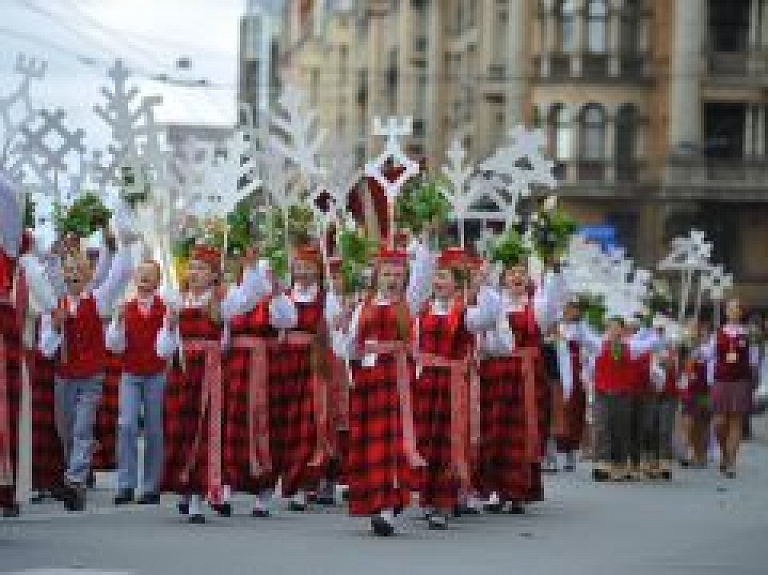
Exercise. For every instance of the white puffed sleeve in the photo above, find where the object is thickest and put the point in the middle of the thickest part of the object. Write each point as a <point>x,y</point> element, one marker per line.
<point>115,336</point>
<point>50,339</point>
<point>483,315</point>
<point>658,373</point>
<point>643,342</point>
<point>120,272</point>
<point>167,342</point>
<point>101,270</point>
<point>343,341</point>
<point>549,299</point>
<point>243,298</point>
<point>283,313</point>
<point>40,288</point>
<point>565,367</point>
<point>422,265</point>
<point>332,308</point>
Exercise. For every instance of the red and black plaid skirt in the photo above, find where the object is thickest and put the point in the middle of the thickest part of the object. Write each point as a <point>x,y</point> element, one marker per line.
<point>570,418</point>
<point>47,451</point>
<point>377,469</point>
<point>432,420</point>
<point>186,437</point>
<point>105,427</point>
<point>501,464</point>
<point>13,355</point>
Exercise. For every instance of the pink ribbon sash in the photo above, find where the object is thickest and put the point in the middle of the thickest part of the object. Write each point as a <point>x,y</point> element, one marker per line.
<point>212,402</point>
<point>527,357</point>
<point>460,410</point>
<point>400,351</point>
<point>259,456</point>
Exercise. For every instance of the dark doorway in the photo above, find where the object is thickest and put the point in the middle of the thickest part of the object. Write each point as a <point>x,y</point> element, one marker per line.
<point>728,25</point>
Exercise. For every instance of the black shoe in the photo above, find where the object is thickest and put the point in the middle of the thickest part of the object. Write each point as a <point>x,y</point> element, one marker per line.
<point>461,510</point>
<point>38,497</point>
<point>685,463</point>
<point>260,513</point>
<point>515,508</point>
<point>91,481</point>
<point>197,519</point>
<point>600,475</point>
<point>223,509</point>
<point>13,510</point>
<point>297,507</point>
<point>124,496</point>
<point>149,498</point>
<point>665,475</point>
<point>493,508</point>
<point>381,527</point>
<point>183,507</point>
<point>437,522</point>
<point>74,497</point>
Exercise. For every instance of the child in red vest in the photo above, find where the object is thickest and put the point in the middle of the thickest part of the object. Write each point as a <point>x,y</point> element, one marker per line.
<point>697,413</point>
<point>133,336</point>
<point>73,333</point>
<point>662,413</point>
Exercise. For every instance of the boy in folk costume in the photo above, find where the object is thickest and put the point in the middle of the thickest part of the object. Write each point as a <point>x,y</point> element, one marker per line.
<point>697,413</point>
<point>513,390</point>
<point>73,334</point>
<point>614,381</point>
<point>253,418</point>
<point>441,403</point>
<point>193,411</point>
<point>571,398</point>
<point>132,337</point>
<point>734,361</point>
<point>383,463</point>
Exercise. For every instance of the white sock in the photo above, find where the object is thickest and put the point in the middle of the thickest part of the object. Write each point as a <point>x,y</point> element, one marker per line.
<point>263,500</point>
<point>300,497</point>
<point>195,505</point>
<point>387,515</point>
<point>494,499</point>
<point>552,450</point>
<point>184,499</point>
<point>226,493</point>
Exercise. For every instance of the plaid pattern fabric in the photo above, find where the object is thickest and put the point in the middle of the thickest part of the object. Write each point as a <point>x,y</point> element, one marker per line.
<point>432,409</point>
<point>236,440</point>
<point>105,427</point>
<point>47,451</point>
<point>571,416</point>
<point>377,470</point>
<point>501,465</point>
<point>182,411</point>
<point>9,331</point>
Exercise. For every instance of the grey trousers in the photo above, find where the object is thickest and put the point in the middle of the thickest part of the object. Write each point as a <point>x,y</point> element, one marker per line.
<point>641,440</point>
<point>613,427</point>
<point>660,428</point>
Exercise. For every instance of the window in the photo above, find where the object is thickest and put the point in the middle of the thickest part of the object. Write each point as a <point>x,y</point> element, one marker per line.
<point>597,24</point>
<point>630,27</point>
<point>593,133</point>
<point>626,142</point>
<point>561,132</point>
<point>565,15</point>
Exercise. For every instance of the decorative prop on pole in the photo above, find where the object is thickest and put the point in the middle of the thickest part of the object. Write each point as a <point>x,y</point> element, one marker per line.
<point>688,256</point>
<point>393,130</point>
<point>458,174</point>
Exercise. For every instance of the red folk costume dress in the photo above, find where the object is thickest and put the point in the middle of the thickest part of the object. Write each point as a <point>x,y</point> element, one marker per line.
<point>734,359</point>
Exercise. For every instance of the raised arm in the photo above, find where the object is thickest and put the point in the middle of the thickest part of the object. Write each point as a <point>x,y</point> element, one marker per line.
<point>40,288</point>
<point>549,299</point>
<point>484,314</point>
<point>422,264</point>
<point>103,265</point>
<point>115,336</point>
<point>283,313</point>
<point>50,338</point>
<point>243,298</point>
<point>120,272</point>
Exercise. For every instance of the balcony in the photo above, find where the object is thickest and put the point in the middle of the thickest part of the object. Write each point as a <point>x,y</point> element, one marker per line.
<point>734,179</point>
<point>737,68</point>
<point>607,68</point>
<point>605,178</point>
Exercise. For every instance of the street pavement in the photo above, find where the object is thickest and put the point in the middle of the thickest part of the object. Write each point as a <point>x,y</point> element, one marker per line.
<point>697,524</point>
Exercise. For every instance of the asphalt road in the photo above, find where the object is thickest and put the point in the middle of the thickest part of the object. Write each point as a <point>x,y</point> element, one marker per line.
<point>694,525</point>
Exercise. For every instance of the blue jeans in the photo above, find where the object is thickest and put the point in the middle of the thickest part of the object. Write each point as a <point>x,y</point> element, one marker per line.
<point>76,403</point>
<point>138,391</point>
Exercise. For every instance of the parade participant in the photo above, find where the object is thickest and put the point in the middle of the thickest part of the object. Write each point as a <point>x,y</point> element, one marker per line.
<point>697,413</point>
<point>442,412</point>
<point>73,333</point>
<point>514,392</point>
<point>642,400</point>
<point>662,412</point>
<point>732,358</point>
<point>614,380</point>
<point>132,337</point>
<point>570,402</point>
<point>193,411</point>
<point>383,464</point>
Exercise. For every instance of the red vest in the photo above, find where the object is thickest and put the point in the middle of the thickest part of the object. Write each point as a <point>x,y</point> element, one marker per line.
<point>614,375</point>
<point>732,355</point>
<point>84,352</point>
<point>640,369</point>
<point>140,357</point>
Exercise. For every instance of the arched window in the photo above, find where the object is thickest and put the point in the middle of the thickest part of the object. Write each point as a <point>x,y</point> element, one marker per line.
<point>565,14</point>
<point>561,132</point>
<point>626,142</point>
<point>630,27</point>
<point>593,133</point>
<point>597,26</point>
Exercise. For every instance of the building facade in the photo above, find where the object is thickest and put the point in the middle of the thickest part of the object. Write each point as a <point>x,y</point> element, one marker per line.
<point>655,110</point>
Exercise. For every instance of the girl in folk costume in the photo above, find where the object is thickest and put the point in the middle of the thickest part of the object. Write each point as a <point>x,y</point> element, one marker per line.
<point>383,464</point>
<point>193,411</point>
<point>442,409</point>
<point>513,389</point>
<point>570,400</point>
<point>132,337</point>
<point>73,334</point>
<point>662,411</point>
<point>697,413</point>
<point>614,380</point>
<point>734,360</point>
<point>253,417</point>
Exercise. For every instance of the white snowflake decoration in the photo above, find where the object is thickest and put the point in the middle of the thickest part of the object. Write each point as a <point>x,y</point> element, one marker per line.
<point>458,174</point>
<point>335,187</point>
<point>689,255</point>
<point>393,130</point>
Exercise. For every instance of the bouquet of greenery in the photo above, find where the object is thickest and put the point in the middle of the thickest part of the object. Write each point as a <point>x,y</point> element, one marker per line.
<point>355,250</point>
<point>84,217</point>
<point>551,230</point>
<point>593,310</point>
<point>509,248</point>
<point>421,204</point>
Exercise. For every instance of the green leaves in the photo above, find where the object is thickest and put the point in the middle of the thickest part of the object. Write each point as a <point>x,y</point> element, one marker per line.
<point>593,311</point>
<point>355,250</point>
<point>551,231</point>
<point>509,249</point>
<point>86,216</point>
<point>421,203</point>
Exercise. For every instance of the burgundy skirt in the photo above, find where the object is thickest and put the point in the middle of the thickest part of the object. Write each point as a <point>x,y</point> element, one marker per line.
<point>731,397</point>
